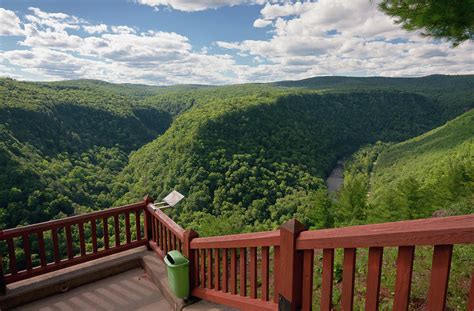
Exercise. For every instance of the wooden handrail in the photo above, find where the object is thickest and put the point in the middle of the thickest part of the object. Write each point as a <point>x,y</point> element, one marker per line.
<point>432,231</point>
<point>57,223</point>
<point>257,239</point>
<point>167,221</point>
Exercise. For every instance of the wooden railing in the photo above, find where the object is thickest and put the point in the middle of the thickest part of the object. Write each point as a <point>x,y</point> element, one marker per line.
<point>226,268</point>
<point>236,269</point>
<point>44,247</point>
<point>442,233</point>
<point>252,271</point>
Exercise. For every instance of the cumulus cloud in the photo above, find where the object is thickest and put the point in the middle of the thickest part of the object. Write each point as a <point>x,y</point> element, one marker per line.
<point>198,5</point>
<point>346,37</point>
<point>95,28</point>
<point>328,37</point>
<point>115,53</point>
<point>123,29</point>
<point>9,23</point>
<point>261,23</point>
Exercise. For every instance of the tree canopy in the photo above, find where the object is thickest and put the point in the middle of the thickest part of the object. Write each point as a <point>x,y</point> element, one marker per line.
<point>452,20</point>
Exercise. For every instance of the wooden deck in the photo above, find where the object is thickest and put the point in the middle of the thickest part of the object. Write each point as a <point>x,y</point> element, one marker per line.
<point>131,290</point>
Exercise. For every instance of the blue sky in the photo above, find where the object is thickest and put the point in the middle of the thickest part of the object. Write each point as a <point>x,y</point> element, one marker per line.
<point>166,42</point>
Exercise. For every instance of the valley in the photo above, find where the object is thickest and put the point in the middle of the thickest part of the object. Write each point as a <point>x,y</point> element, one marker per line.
<point>247,157</point>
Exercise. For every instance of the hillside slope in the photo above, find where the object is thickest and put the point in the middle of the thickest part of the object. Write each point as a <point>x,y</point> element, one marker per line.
<point>429,173</point>
<point>62,144</point>
<point>240,158</point>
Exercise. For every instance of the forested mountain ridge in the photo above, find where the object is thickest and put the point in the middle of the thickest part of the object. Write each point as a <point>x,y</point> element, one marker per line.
<point>62,144</point>
<point>250,152</point>
<point>241,159</point>
<point>453,93</point>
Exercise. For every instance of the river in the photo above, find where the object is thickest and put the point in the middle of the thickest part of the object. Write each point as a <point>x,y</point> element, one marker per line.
<point>336,178</point>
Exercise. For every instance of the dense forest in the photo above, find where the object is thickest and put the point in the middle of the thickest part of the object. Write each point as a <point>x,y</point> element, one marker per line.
<point>255,153</point>
<point>248,157</point>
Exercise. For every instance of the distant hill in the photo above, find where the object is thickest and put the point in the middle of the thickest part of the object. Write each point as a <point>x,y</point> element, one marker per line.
<point>453,92</point>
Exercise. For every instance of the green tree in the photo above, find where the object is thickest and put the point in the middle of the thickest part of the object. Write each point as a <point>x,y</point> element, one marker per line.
<point>452,20</point>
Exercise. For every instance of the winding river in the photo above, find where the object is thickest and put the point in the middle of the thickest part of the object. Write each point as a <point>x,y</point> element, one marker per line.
<point>336,178</point>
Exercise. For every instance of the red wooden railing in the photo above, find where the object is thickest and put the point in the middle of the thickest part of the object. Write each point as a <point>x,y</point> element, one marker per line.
<point>252,271</point>
<point>227,269</point>
<point>51,245</point>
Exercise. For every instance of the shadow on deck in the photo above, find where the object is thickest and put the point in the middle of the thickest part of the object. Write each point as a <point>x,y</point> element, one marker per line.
<point>131,280</point>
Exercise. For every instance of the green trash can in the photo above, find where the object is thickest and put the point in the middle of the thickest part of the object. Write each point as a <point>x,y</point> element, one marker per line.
<point>178,273</point>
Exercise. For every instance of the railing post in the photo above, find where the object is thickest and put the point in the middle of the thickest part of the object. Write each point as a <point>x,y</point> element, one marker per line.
<point>291,267</point>
<point>3,284</point>
<point>188,235</point>
<point>148,221</point>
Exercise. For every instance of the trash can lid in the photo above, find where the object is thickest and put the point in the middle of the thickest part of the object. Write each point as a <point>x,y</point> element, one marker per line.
<point>175,258</point>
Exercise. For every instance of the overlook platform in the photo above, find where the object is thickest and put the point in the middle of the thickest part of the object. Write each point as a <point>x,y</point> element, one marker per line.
<point>113,260</point>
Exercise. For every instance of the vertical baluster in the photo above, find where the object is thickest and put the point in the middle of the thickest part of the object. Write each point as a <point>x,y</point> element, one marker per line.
<point>167,240</point>
<point>243,272</point>
<point>308,263</point>
<point>161,236</point>
<point>27,249</point>
<point>117,230</point>
<point>179,245</point>
<point>202,267</point>
<point>253,272</point>
<point>82,240</point>
<point>106,232</point>
<point>217,270</point>
<point>209,268</point>
<point>57,255</point>
<point>3,283</point>
<point>374,271</point>
<point>224,270</point>
<point>94,235</point>
<point>154,235</point>
<point>138,225</point>
<point>326,286</point>
<point>128,234</point>
<point>70,250</point>
<point>265,275</point>
<point>173,241</point>
<point>276,273</point>
<point>12,256</point>
<point>403,281</point>
<point>41,250</point>
<point>348,276</point>
<point>439,277</point>
<point>196,267</point>
<point>233,271</point>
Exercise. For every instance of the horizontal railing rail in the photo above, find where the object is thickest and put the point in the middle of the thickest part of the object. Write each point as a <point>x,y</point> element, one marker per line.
<point>49,246</point>
<point>431,231</point>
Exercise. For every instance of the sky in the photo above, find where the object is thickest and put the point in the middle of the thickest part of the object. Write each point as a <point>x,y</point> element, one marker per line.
<point>165,42</point>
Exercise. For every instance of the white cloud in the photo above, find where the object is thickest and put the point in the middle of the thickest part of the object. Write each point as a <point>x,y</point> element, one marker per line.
<point>261,23</point>
<point>9,23</point>
<point>95,28</point>
<point>328,37</point>
<point>198,5</point>
<point>123,29</point>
